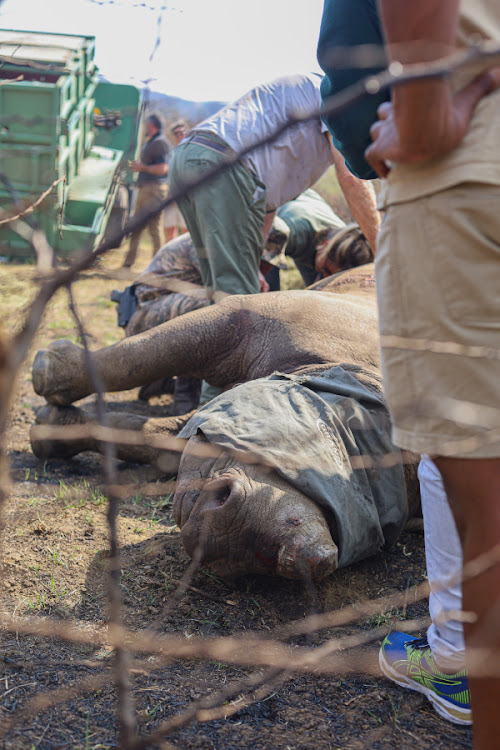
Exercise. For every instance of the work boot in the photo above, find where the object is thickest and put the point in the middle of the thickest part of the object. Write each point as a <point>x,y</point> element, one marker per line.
<point>186,395</point>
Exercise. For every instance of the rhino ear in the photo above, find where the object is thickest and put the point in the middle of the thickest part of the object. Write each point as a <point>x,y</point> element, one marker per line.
<point>216,494</point>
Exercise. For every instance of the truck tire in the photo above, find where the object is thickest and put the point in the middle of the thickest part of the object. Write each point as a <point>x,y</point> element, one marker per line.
<point>118,216</point>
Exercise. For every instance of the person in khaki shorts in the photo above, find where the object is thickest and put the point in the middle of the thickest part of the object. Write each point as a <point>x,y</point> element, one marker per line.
<point>152,188</point>
<point>438,270</point>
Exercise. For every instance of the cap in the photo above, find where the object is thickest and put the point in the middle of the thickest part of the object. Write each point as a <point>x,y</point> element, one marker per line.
<point>177,124</point>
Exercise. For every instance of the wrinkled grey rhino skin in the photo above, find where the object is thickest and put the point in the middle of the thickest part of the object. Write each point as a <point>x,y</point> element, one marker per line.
<point>235,515</point>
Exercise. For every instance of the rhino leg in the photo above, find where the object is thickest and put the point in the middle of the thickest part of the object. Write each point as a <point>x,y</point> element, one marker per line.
<point>242,338</point>
<point>186,346</point>
<point>167,459</point>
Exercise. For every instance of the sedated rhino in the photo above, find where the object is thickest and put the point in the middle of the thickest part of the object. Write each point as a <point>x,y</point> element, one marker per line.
<point>291,470</point>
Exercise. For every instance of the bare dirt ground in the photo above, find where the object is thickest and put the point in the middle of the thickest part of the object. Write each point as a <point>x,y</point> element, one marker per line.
<point>54,564</point>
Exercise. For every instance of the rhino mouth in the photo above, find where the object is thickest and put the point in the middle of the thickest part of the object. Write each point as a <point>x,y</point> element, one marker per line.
<point>313,563</point>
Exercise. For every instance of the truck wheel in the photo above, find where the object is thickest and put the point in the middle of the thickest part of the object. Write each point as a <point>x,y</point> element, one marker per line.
<point>118,216</point>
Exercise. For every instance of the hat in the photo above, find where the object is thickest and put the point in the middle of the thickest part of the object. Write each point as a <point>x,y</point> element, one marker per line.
<point>274,251</point>
<point>177,124</point>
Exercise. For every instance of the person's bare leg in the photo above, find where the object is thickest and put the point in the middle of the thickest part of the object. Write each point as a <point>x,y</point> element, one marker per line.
<point>473,489</point>
<point>171,233</point>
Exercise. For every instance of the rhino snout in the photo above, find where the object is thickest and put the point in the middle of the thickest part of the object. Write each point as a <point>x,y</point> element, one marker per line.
<point>313,562</point>
<point>249,520</point>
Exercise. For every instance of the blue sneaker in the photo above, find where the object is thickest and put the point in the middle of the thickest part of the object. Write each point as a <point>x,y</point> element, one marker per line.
<point>409,662</point>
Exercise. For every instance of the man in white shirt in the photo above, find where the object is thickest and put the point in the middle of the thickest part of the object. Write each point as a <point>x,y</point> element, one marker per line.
<point>229,217</point>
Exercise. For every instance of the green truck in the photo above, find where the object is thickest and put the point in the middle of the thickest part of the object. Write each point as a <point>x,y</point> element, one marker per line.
<point>63,130</point>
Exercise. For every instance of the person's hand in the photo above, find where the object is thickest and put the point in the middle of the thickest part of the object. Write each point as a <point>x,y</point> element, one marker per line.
<point>135,165</point>
<point>264,286</point>
<point>426,121</point>
<point>385,147</point>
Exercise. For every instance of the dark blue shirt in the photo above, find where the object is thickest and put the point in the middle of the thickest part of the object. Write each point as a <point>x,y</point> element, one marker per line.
<point>347,23</point>
<point>156,150</point>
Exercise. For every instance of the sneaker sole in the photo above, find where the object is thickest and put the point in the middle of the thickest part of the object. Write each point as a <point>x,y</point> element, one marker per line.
<point>455,714</point>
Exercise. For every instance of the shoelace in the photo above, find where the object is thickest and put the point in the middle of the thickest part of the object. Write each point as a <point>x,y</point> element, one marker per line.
<point>419,643</point>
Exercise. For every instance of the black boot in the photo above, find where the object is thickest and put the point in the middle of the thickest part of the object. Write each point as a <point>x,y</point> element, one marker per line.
<point>186,395</point>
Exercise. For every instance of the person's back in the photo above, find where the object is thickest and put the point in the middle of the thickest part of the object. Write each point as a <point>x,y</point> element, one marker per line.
<point>299,156</point>
<point>310,220</point>
<point>230,215</point>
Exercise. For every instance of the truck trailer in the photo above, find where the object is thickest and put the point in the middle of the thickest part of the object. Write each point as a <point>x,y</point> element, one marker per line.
<point>66,133</point>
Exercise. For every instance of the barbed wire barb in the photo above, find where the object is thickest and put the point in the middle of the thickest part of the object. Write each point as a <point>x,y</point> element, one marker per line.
<point>276,655</point>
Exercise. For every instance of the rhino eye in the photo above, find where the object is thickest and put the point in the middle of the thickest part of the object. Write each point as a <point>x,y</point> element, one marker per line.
<point>294,521</point>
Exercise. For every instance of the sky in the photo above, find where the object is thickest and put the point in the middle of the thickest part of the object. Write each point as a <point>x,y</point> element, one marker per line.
<point>200,50</point>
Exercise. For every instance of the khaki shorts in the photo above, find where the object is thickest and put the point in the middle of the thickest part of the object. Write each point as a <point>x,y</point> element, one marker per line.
<point>438,289</point>
<point>172,217</point>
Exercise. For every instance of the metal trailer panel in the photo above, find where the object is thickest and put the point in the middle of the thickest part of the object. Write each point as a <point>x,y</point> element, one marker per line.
<point>47,133</point>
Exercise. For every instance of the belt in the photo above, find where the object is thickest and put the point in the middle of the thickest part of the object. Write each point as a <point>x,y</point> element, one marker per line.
<point>201,140</point>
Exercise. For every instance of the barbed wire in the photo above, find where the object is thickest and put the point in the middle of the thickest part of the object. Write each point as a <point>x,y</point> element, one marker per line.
<point>334,105</point>
<point>372,85</point>
<point>126,712</point>
<point>29,209</point>
<point>135,4</point>
<point>250,651</point>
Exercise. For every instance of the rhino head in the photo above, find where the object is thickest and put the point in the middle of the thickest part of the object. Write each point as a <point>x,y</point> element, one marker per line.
<point>239,518</point>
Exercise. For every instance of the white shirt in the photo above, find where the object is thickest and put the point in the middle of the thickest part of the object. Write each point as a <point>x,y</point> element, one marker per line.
<point>299,156</point>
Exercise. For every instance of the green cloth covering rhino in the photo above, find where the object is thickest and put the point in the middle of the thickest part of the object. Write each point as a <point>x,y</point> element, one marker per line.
<point>309,427</point>
<point>265,509</point>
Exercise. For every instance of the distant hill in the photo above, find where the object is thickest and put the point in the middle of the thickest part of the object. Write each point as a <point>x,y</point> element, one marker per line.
<point>173,108</point>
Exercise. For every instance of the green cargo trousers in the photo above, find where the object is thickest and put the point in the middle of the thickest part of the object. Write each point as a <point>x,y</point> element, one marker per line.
<point>225,217</point>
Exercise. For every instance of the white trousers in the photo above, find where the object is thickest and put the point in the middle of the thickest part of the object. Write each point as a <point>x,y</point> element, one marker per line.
<point>443,554</point>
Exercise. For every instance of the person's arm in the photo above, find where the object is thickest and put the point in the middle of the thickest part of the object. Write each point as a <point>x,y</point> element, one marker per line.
<point>268,222</point>
<point>157,169</point>
<point>425,120</point>
<point>360,197</point>
<point>157,154</point>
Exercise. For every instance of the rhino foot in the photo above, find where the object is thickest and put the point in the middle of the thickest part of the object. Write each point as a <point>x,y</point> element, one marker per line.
<point>58,373</point>
<point>45,447</point>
